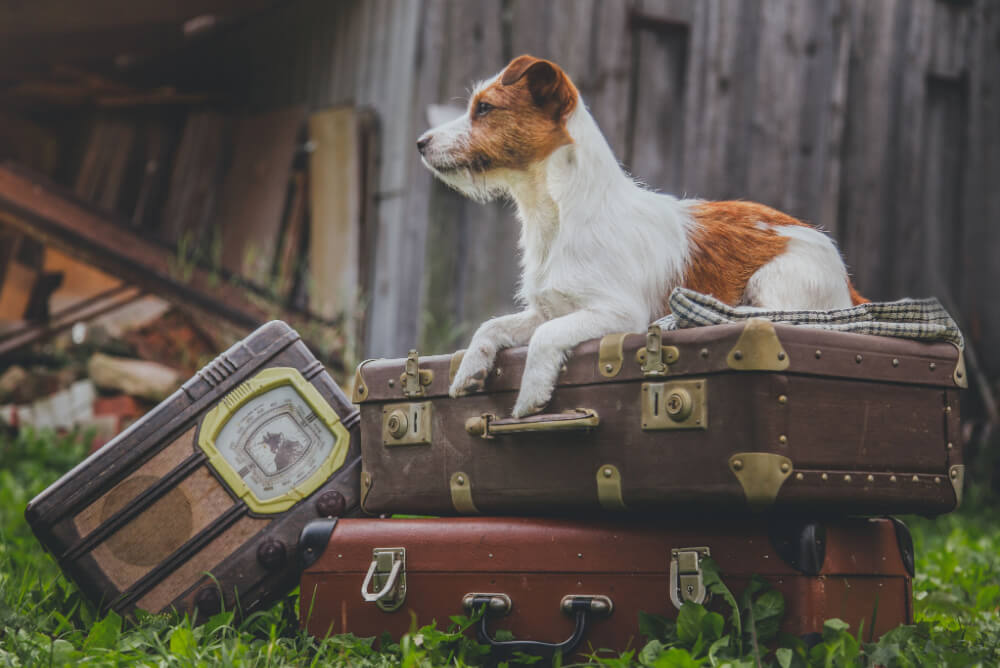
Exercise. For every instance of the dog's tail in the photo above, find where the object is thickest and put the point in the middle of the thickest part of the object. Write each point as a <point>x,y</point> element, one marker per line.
<point>855,297</point>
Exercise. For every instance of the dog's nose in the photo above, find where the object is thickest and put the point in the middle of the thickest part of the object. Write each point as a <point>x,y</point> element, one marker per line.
<point>423,143</point>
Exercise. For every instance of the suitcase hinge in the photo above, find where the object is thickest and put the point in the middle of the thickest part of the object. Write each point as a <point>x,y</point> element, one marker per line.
<point>413,378</point>
<point>655,358</point>
<point>387,574</point>
<point>687,582</point>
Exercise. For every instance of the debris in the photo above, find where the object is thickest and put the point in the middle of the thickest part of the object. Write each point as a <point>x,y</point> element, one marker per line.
<point>149,380</point>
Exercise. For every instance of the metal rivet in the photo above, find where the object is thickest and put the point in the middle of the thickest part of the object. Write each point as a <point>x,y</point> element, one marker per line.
<point>895,362</point>
<point>608,472</point>
<point>781,355</point>
<point>392,383</point>
<point>871,478</point>
<point>738,354</point>
<point>785,467</point>
<point>340,556</point>
<point>819,353</point>
<point>499,372</point>
<point>825,477</point>
<point>782,399</point>
<point>937,480</point>
<point>947,409</point>
<point>738,464</point>
<point>800,476</point>
<point>847,478</point>
<point>703,352</point>
<point>858,359</point>
<point>460,480</point>
<point>954,473</point>
<point>958,374</point>
<point>579,555</point>
<point>932,366</point>
<point>490,555</point>
<point>783,439</point>
<point>950,445</point>
<point>609,367</point>
<point>892,478</point>
<point>915,478</point>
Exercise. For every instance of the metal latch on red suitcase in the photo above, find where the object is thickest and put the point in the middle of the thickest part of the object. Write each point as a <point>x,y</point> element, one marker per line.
<point>687,582</point>
<point>388,573</point>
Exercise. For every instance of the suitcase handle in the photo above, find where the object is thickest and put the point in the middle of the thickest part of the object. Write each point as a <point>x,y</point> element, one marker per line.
<point>488,425</point>
<point>581,607</point>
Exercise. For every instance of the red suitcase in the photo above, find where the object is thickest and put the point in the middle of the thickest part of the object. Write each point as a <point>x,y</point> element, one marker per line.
<point>548,580</point>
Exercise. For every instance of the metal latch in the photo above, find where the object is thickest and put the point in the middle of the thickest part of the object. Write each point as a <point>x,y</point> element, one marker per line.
<point>413,378</point>
<point>680,404</point>
<point>654,358</point>
<point>406,424</point>
<point>388,573</point>
<point>686,580</point>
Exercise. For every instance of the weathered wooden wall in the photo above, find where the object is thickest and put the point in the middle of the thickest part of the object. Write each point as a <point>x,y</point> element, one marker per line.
<point>877,119</point>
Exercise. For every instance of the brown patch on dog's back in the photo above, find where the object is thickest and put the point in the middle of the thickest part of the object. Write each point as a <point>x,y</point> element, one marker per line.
<point>728,246</point>
<point>531,100</point>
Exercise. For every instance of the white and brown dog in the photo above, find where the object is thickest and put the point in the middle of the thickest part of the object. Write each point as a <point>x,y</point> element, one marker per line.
<point>599,252</point>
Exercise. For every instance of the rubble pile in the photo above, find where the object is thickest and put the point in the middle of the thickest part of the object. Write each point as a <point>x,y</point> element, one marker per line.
<point>98,378</point>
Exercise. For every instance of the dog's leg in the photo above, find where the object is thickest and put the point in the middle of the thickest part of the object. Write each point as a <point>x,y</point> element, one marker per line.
<point>492,336</point>
<point>549,346</point>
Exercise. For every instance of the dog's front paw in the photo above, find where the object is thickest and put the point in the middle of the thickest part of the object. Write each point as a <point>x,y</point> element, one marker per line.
<point>471,375</point>
<point>531,400</point>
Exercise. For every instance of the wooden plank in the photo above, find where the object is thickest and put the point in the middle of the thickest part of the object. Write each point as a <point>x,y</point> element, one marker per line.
<point>611,72</point>
<point>290,255</point>
<point>42,211</point>
<point>195,178</point>
<point>870,137</point>
<point>656,116</point>
<point>979,291</point>
<point>253,192</point>
<point>336,189</point>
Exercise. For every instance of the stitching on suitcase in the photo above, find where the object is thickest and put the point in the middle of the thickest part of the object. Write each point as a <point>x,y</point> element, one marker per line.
<point>135,507</point>
<point>159,572</point>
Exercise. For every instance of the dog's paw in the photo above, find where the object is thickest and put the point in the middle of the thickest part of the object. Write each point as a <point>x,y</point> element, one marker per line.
<point>531,400</point>
<point>471,376</point>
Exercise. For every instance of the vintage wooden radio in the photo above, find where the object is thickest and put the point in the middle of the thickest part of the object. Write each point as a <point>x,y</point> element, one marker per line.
<point>199,505</point>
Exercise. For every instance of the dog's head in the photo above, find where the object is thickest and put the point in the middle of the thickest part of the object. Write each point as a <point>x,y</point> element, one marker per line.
<point>514,120</point>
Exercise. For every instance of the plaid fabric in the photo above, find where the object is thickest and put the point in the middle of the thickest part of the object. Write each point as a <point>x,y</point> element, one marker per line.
<point>923,319</point>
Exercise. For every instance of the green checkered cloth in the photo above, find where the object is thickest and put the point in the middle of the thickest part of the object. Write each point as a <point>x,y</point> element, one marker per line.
<point>923,319</point>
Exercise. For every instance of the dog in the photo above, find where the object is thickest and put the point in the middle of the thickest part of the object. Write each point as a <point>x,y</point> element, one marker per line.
<point>601,253</point>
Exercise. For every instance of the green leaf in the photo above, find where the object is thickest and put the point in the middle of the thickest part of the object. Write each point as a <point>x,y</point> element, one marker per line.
<point>784,657</point>
<point>651,652</point>
<point>656,627</point>
<point>182,642</point>
<point>689,623</point>
<point>835,626</point>
<point>712,578</point>
<point>677,658</point>
<point>105,633</point>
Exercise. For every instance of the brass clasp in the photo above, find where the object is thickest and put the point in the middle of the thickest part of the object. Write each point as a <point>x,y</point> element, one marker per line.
<point>413,378</point>
<point>655,358</point>
<point>687,582</point>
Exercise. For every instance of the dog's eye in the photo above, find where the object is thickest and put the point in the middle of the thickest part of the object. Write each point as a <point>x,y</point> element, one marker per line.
<point>483,108</point>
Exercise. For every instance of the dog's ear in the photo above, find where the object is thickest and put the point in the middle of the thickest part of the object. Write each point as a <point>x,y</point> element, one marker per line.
<point>548,84</point>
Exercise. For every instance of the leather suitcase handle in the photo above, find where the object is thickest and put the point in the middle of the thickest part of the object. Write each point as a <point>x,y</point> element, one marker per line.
<point>582,607</point>
<point>489,425</point>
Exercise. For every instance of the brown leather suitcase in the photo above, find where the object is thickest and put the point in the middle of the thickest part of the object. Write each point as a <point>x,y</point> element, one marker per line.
<point>725,416</point>
<point>563,585</point>
<point>201,501</point>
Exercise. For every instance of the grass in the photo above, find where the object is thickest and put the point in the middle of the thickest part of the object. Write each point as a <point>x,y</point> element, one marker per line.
<point>44,621</point>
